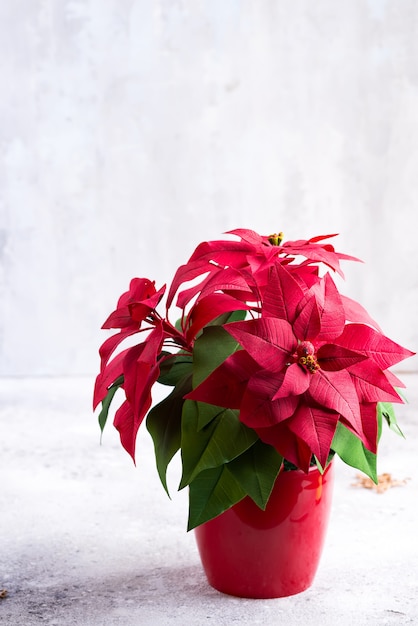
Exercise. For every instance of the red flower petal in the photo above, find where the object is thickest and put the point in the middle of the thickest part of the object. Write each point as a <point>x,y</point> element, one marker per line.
<point>226,385</point>
<point>135,305</point>
<point>282,294</point>
<point>381,349</point>
<point>107,377</point>
<point>296,381</point>
<point>332,358</point>
<point>372,385</point>
<point>316,427</point>
<point>207,309</point>
<point>258,409</point>
<point>331,310</point>
<point>355,312</point>
<point>308,322</point>
<point>287,443</point>
<point>141,370</point>
<point>366,430</point>
<point>269,341</point>
<point>125,424</point>
<point>109,346</point>
<point>336,391</point>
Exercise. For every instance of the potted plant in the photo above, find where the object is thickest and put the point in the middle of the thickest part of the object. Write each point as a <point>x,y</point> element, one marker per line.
<point>271,373</point>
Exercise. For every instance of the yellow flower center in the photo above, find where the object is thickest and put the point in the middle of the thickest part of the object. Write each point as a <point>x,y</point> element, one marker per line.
<point>310,363</point>
<point>306,356</point>
<point>276,239</point>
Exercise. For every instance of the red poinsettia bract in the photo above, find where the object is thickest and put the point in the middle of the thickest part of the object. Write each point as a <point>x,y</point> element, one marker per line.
<point>302,368</point>
<point>307,357</point>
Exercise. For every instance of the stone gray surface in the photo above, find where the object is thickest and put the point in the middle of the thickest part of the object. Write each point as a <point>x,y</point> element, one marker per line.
<point>87,539</point>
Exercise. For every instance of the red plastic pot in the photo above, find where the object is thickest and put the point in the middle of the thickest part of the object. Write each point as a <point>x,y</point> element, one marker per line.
<point>251,553</point>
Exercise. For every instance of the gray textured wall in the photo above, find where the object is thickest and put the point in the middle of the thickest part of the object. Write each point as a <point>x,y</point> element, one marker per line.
<point>130,130</point>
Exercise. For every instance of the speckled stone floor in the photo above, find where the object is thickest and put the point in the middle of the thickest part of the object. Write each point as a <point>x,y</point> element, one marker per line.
<point>88,539</point>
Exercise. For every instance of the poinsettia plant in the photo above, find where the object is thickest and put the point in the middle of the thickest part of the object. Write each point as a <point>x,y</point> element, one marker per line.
<point>269,367</point>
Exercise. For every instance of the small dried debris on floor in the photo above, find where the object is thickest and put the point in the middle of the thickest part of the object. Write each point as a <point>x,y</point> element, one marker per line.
<point>385,482</point>
<point>3,593</point>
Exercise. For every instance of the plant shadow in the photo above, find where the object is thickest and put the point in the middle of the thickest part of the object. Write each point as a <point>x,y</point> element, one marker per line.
<point>161,589</point>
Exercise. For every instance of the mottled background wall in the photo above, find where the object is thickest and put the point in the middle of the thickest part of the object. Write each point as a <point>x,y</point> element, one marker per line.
<point>130,130</point>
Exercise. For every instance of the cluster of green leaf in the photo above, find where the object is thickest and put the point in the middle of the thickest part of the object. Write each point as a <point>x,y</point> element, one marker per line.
<point>353,452</point>
<point>222,459</point>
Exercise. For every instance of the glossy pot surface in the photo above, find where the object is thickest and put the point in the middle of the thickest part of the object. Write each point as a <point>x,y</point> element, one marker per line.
<point>252,553</point>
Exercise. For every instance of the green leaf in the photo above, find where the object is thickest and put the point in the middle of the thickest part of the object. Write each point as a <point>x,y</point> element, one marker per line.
<point>225,318</point>
<point>174,368</point>
<point>256,471</point>
<point>103,415</point>
<point>206,413</point>
<point>386,410</point>
<point>211,493</point>
<point>318,464</point>
<point>164,425</point>
<point>210,350</point>
<point>352,451</point>
<point>236,316</point>
<point>219,442</point>
<point>215,490</point>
